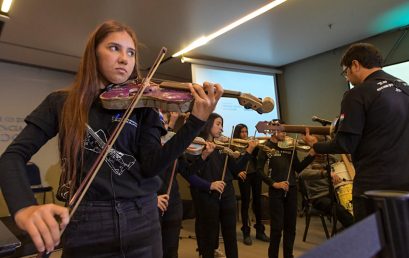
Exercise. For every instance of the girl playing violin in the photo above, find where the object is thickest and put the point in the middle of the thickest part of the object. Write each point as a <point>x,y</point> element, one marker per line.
<point>118,215</point>
<point>250,182</point>
<point>281,180</point>
<point>213,195</point>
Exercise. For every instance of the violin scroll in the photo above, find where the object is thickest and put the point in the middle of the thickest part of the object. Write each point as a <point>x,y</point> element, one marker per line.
<point>248,101</point>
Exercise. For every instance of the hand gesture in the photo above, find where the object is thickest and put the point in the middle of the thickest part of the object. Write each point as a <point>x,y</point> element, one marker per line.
<point>281,185</point>
<point>172,119</point>
<point>243,175</point>
<point>206,99</point>
<point>174,115</point>
<point>218,186</point>
<point>252,145</point>
<point>40,222</point>
<point>308,138</point>
<point>335,178</point>
<point>163,202</point>
<point>208,149</point>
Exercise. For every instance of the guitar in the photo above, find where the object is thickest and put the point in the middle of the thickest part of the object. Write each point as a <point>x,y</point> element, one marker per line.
<point>268,127</point>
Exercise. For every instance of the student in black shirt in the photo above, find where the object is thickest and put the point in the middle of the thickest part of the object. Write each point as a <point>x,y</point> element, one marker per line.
<point>214,197</point>
<point>282,191</point>
<point>118,215</point>
<point>170,205</point>
<point>373,126</point>
<point>250,183</point>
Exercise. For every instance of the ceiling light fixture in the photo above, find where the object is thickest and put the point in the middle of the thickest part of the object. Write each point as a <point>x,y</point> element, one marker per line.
<point>248,68</point>
<point>5,7</point>
<point>204,39</point>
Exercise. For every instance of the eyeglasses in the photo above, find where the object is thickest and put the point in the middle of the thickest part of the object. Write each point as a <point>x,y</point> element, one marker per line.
<point>344,72</point>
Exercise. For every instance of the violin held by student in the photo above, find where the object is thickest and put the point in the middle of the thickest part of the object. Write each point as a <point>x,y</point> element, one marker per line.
<point>118,214</point>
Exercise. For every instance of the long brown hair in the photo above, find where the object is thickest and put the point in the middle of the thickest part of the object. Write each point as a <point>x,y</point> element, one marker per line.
<point>80,96</point>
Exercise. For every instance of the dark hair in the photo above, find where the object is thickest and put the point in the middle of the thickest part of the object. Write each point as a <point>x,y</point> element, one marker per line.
<point>366,54</point>
<point>237,130</point>
<point>280,121</point>
<point>205,133</point>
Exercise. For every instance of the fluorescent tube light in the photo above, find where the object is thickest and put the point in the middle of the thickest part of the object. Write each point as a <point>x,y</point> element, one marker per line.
<point>5,7</point>
<point>204,39</point>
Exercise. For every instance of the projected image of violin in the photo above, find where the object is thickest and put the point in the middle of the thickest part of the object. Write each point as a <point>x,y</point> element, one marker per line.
<point>172,96</point>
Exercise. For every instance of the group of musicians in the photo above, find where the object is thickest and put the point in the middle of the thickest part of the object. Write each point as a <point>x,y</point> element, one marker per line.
<point>122,214</point>
<point>275,163</point>
<point>326,180</point>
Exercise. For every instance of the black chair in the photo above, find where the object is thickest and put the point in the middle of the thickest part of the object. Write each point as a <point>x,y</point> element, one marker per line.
<point>310,211</point>
<point>34,177</point>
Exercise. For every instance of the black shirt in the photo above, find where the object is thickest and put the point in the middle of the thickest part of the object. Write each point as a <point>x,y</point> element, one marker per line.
<point>211,169</point>
<point>279,164</point>
<point>374,128</point>
<point>130,169</point>
<point>166,177</point>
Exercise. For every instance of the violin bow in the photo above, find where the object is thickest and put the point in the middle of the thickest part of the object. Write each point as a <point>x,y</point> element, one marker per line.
<point>291,164</point>
<point>83,188</point>
<point>172,176</point>
<point>226,159</point>
<point>248,163</point>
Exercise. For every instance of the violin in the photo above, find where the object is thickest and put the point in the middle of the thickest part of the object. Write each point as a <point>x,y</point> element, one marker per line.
<point>198,144</point>
<point>74,200</point>
<point>225,139</point>
<point>171,96</point>
<point>289,142</point>
<point>242,144</point>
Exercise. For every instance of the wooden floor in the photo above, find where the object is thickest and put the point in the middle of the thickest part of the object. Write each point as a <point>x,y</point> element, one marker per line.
<point>187,243</point>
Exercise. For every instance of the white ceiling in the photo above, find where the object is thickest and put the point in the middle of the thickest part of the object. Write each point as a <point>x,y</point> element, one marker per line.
<point>52,33</point>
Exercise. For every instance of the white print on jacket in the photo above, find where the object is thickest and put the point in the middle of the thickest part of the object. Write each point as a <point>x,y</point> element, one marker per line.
<point>116,160</point>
